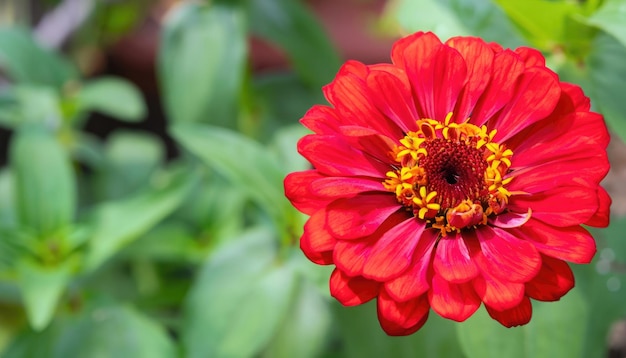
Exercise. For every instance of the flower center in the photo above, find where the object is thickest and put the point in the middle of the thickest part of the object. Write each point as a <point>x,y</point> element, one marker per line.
<point>450,174</point>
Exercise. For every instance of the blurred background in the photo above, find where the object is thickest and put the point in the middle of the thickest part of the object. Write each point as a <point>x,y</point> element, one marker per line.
<point>143,145</point>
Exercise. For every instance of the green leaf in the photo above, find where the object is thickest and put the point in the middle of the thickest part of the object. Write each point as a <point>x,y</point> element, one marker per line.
<point>290,25</point>
<point>112,96</point>
<point>306,327</point>
<point>118,223</point>
<point>30,104</point>
<point>44,181</point>
<point>246,163</point>
<point>557,329</point>
<point>607,72</point>
<point>611,17</point>
<point>449,18</point>
<point>544,23</point>
<point>285,145</point>
<point>34,344</point>
<point>41,290</point>
<point>435,339</point>
<point>7,196</point>
<point>603,283</point>
<point>130,159</point>
<point>114,330</point>
<point>278,99</point>
<point>201,63</point>
<point>238,300</point>
<point>26,62</point>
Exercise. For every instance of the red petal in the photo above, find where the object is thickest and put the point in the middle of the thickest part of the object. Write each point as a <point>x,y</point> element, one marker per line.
<point>402,318</point>
<point>553,281</point>
<point>414,281</point>
<point>547,176</point>
<point>531,57</point>
<point>601,217</point>
<point>426,41</point>
<point>452,260</point>
<point>453,301</point>
<point>479,60</point>
<point>573,244</point>
<point>509,219</point>
<point>350,255</point>
<point>348,94</point>
<point>437,80</point>
<point>359,216</point>
<point>371,142</point>
<point>560,206</point>
<point>515,316</point>
<point>339,187</point>
<point>316,243</point>
<point>393,252</point>
<point>321,120</point>
<point>392,96</point>
<point>352,291</point>
<point>574,135</point>
<point>505,256</point>
<point>497,293</point>
<point>507,67</point>
<point>298,192</point>
<point>329,154</point>
<point>536,95</point>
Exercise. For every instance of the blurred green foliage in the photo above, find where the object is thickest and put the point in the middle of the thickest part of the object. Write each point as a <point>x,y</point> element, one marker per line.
<point>109,249</point>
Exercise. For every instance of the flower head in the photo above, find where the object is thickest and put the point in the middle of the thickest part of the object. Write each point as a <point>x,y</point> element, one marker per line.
<point>460,174</point>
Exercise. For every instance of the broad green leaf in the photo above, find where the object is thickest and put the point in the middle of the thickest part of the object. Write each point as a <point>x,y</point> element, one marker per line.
<point>607,72</point>
<point>130,159</point>
<point>112,96</point>
<point>168,242</point>
<point>219,210</point>
<point>603,284</point>
<point>285,145</point>
<point>117,223</point>
<point>114,330</point>
<point>41,289</point>
<point>44,182</point>
<point>33,105</point>
<point>239,299</point>
<point>26,62</point>
<point>290,25</point>
<point>247,164</point>
<point>7,196</point>
<point>557,329</point>
<point>33,344</point>
<point>435,339</point>
<point>278,99</point>
<point>544,23</point>
<point>201,62</point>
<point>453,18</point>
<point>305,330</point>
<point>611,17</point>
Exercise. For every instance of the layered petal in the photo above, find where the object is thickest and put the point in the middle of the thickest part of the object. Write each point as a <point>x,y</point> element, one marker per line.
<point>553,281</point>
<point>573,243</point>
<point>453,261</point>
<point>561,206</point>
<point>352,291</point>
<point>415,281</point>
<point>505,256</point>
<point>402,318</point>
<point>316,242</point>
<point>516,316</point>
<point>451,300</point>
<point>359,216</point>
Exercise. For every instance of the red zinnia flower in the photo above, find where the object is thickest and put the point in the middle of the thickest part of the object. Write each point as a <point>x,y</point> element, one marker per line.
<point>457,175</point>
